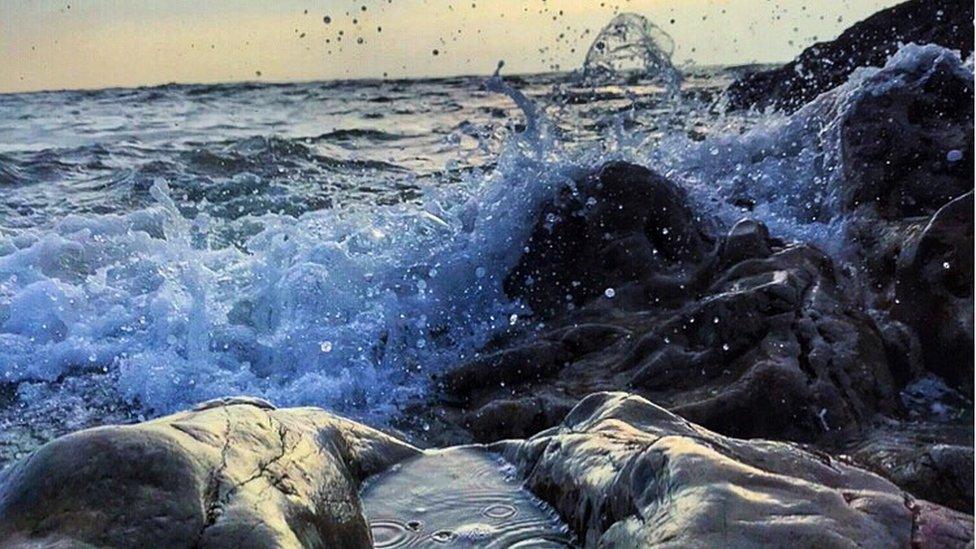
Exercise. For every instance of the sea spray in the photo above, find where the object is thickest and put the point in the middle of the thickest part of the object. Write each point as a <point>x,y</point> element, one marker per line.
<point>353,307</point>
<point>787,170</point>
<point>632,47</point>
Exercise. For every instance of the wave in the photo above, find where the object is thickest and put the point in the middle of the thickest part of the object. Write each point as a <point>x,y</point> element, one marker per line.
<point>357,308</point>
<point>360,134</point>
<point>352,308</point>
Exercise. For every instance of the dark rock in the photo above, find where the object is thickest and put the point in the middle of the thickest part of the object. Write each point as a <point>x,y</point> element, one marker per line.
<point>934,291</point>
<point>233,474</point>
<point>931,460</point>
<point>906,188</point>
<point>626,473</point>
<point>759,339</point>
<point>613,229</point>
<point>747,239</point>
<point>716,329</point>
<point>523,417</point>
<point>820,67</point>
<point>908,150</point>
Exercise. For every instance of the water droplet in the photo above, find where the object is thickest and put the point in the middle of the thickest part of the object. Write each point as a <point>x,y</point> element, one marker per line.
<point>610,293</point>
<point>326,347</point>
<point>513,319</point>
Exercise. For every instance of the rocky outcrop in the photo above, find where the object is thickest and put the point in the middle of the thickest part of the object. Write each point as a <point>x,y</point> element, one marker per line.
<point>906,186</point>
<point>907,141</point>
<point>825,65</point>
<point>622,227</point>
<point>934,291</point>
<point>626,473</point>
<point>713,328</point>
<point>233,473</point>
<point>635,289</point>
<point>617,470</point>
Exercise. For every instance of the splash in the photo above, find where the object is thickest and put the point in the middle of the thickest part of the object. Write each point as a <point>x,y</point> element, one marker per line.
<point>351,308</point>
<point>631,46</point>
<point>354,308</point>
<point>496,84</point>
<point>788,170</point>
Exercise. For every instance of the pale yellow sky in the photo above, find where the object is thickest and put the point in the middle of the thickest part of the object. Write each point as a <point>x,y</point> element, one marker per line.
<point>104,43</point>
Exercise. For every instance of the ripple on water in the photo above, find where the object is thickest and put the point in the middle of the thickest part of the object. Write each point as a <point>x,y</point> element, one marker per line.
<point>461,497</point>
<point>388,533</point>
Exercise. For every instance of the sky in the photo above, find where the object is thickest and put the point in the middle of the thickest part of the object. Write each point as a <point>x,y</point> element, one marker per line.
<point>77,44</point>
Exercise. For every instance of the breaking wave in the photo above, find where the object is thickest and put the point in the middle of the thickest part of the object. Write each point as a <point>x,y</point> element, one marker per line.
<point>355,307</point>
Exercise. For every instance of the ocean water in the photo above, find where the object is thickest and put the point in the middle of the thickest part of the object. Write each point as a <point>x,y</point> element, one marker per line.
<point>335,243</point>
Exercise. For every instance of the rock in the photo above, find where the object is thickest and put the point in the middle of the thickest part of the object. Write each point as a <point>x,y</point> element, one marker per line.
<point>907,150</point>
<point>743,334</point>
<point>906,144</point>
<point>232,474</point>
<point>825,65</point>
<point>626,473</point>
<point>934,292</point>
<point>931,460</point>
<point>612,229</point>
<point>521,417</point>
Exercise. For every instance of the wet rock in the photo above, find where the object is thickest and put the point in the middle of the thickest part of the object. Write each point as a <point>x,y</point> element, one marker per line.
<point>930,460</point>
<point>616,227</point>
<point>520,417</point>
<point>747,239</point>
<point>934,291</point>
<point>867,43</point>
<point>232,474</point>
<point>624,472</point>
<point>908,150</point>
<point>743,334</point>
<point>906,189</point>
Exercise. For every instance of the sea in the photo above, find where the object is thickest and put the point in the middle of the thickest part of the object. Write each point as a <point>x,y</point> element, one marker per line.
<point>334,244</point>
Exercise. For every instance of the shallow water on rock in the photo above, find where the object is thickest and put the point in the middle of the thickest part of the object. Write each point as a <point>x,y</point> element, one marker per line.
<point>460,497</point>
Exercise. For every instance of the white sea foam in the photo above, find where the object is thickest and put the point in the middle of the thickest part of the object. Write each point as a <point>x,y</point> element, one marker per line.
<point>350,308</point>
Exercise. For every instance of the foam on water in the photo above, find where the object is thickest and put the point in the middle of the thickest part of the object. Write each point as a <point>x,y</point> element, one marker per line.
<point>351,308</point>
